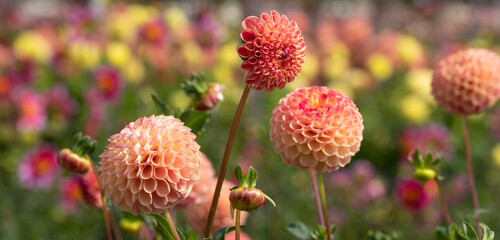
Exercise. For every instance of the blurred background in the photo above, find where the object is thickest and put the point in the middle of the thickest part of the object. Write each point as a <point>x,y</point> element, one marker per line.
<point>91,66</point>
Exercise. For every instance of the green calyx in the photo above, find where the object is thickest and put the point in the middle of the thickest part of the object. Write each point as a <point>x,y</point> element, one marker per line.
<point>247,180</point>
<point>83,145</point>
<point>424,166</point>
<point>196,86</point>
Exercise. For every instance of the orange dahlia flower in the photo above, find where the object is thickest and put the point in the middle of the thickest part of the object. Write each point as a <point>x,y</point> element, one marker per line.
<point>316,128</point>
<point>467,82</point>
<point>151,165</point>
<point>274,50</point>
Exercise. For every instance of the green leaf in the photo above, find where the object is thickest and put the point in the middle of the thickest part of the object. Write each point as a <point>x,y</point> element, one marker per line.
<point>487,233</point>
<point>319,233</point>
<point>162,227</point>
<point>251,179</point>
<point>221,233</point>
<point>469,231</point>
<point>238,174</point>
<point>299,230</point>
<point>379,235</point>
<point>196,86</point>
<point>161,106</point>
<point>195,120</point>
<point>442,233</point>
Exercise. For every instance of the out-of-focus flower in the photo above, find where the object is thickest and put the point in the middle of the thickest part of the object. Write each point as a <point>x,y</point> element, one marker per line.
<point>414,109</point>
<point>130,225</point>
<point>90,189</point>
<point>467,81</point>
<point>31,108</point>
<point>5,86</point>
<point>118,53</point>
<point>175,18</point>
<point>232,236</point>
<point>412,195</point>
<point>84,53</point>
<point>108,82</point>
<point>151,165</point>
<point>434,138</point>
<point>211,98</point>
<point>355,31</point>
<point>197,214</point>
<point>208,31</point>
<point>202,187</point>
<point>337,62</point>
<point>32,45</point>
<point>153,32</point>
<point>59,100</point>
<point>316,128</point>
<point>39,168</point>
<point>419,80</point>
<point>410,50</point>
<point>71,194</point>
<point>495,154</point>
<point>133,71</point>
<point>274,50</point>
<point>379,66</point>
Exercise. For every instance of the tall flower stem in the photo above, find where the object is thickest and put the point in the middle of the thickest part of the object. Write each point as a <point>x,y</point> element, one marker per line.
<point>105,212</point>
<point>225,160</point>
<point>171,225</point>
<point>443,203</point>
<point>237,225</point>
<point>470,171</point>
<point>317,198</point>
<point>323,201</point>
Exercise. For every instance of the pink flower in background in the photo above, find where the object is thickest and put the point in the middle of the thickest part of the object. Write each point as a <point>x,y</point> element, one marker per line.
<point>71,194</point>
<point>31,110</point>
<point>58,99</point>
<point>108,82</point>
<point>39,168</point>
<point>434,138</point>
<point>90,188</point>
<point>153,32</point>
<point>412,195</point>
<point>232,236</point>
<point>208,31</point>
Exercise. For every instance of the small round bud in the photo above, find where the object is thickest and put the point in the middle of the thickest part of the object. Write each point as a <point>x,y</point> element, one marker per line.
<point>71,161</point>
<point>130,226</point>
<point>211,98</point>
<point>423,175</point>
<point>247,199</point>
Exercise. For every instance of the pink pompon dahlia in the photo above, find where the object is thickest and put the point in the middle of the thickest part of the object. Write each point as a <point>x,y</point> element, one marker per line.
<point>467,82</point>
<point>274,50</point>
<point>202,187</point>
<point>317,128</point>
<point>151,165</point>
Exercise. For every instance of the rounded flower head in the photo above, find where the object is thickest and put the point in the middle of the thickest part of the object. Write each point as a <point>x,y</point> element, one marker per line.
<point>274,50</point>
<point>151,165</point>
<point>202,187</point>
<point>317,128</point>
<point>197,214</point>
<point>467,81</point>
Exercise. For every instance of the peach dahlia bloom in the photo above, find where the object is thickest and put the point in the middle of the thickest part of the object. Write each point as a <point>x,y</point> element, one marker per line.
<point>316,128</point>
<point>202,187</point>
<point>274,50</point>
<point>151,165</point>
<point>467,82</point>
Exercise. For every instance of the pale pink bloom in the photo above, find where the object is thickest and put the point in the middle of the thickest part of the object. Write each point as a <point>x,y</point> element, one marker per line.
<point>316,128</point>
<point>274,50</point>
<point>39,168</point>
<point>151,165</point>
<point>31,110</point>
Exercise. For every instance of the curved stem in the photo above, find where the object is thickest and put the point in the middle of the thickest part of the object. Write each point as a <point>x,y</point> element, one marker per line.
<point>171,225</point>
<point>443,203</point>
<point>237,225</point>
<point>470,171</point>
<point>323,201</point>
<point>225,160</point>
<point>317,198</point>
<point>105,212</point>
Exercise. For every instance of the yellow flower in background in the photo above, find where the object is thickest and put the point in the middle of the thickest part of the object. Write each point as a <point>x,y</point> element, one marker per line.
<point>342,86</point>
<point>133,71</point>
<point>359,78</point>
<point>495,154</point>
<point>379,66</point>
<point>124,23</point>
<point>178,99</point>
<point>176,19</point>
<point>337,62</point>
<point>118,54</point>
<point>414,109</point>
<point>419,82</point>
<point>409,49</point>
<point>227,56</point>
<point>192,53</point>
<point>83,53</point>
<point>32,45</point>
<point>309,70</point>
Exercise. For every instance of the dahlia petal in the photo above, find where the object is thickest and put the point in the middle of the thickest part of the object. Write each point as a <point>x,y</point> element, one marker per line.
<point>247,35</point>
<point>249,22</point>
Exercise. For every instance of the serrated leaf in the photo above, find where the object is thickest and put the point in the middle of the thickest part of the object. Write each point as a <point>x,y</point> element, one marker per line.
<point>238,174</point>
<point>195,120</point>
<point>221,233</point>
<point>161,106</point>
<point>299,230</point>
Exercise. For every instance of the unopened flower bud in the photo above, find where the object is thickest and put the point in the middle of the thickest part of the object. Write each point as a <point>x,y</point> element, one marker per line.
<point>71,161</point>
<point>90,189</point>
<point>247,199</point>
<point>423,175</point>
<point>211,98</point>
<point>130,225</point>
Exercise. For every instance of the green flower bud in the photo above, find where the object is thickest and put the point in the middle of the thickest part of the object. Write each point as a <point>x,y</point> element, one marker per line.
<point>424,174</point>
<point>247,199</point>
<point>71,161</point>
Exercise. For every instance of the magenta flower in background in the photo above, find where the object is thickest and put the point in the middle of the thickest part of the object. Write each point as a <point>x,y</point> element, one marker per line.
<point>434,138</point>
<point>412,195</point>
<point>108,82</point>
<point>39,168</point>
<point>59,100</point>
<point>31,111</point>
<point>153,32</point>
<point>71,194</point>
<point>209,32</point>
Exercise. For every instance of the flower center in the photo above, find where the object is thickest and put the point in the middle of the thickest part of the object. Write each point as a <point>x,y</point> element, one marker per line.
<point>43,165</point>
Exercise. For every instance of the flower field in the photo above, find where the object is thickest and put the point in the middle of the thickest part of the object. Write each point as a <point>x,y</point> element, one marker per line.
<point>369,119</point>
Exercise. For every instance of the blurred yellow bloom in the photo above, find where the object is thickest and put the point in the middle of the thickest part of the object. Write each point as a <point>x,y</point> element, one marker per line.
<point>309,70</point>
<point>133,71</point>
<point>419,82</point>
<point>125,23</point>
<point>414,109</point>
<point>85,54</point>
<point>175,18</point>
<point>337,62</point>
<point>227,55</point>
<point>358,78</point>
<point>32,45</point>
<point>178,99</point>
<point>495,154</point>
<point>118,53</point>
<point>379,66</point>
<point>192,53</point>
<point>409,49</point>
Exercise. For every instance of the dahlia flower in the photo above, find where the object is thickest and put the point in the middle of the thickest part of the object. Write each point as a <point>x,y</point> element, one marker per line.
<point>202,187</point>
<point>467,82</point>
<point>90,189</point>
<point>434,138</point>
<point>316,128</point>
<point>108,82</point>
<point>151,165</point>
<point>39,168</point>
<point>274,50</point>
<point>71,194</point>
<point>197,214</point>
<point>412,194</point>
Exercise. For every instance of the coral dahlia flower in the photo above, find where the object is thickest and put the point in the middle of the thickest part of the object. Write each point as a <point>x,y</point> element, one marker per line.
<point>151,165</point>
<point>274,50</point>
<point>316,128</point>
<point>467,82</point>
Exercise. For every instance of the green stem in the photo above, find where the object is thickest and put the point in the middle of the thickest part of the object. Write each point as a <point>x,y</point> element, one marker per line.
<point>237,225</point>
<point>470,171</point>
<point>317,198</point>
<point>225,160</point>
<point>325,209</point>
<point>443,203</point>
<point>171,225</point>
<point>105,212</point>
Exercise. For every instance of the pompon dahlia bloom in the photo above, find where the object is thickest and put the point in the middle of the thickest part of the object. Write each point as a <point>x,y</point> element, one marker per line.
<point>151,165</point>
<point>317,128</point>
<point>197,214</point>
<point>202,187</point>
<point>274,50</point>
<point>467,82</point>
